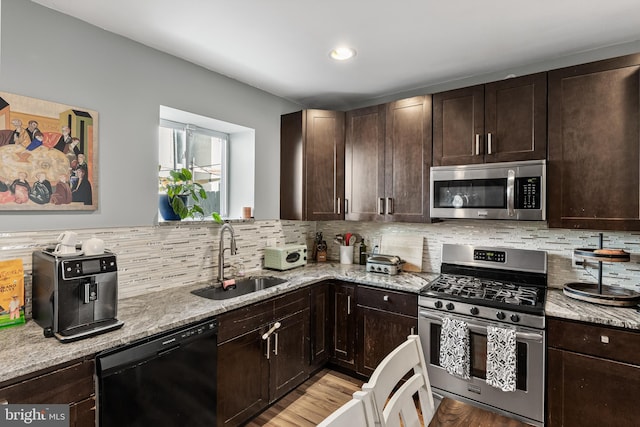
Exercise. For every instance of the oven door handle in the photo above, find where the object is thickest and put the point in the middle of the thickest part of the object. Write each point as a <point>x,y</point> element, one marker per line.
<point>522,336</point>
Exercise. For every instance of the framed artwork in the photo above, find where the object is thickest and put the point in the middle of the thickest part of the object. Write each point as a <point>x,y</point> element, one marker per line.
<point>48,155</point>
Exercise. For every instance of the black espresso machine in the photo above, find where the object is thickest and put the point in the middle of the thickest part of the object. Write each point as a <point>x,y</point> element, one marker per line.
<point>75,296</point>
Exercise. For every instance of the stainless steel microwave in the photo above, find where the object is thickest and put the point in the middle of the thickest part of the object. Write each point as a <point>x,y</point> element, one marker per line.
<point>513,190</point>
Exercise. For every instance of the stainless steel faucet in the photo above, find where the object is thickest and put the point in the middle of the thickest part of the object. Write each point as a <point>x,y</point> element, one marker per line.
<point>232,249</point>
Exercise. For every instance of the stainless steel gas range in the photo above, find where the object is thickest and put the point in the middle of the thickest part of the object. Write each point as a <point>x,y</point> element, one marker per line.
<point>483,289</point>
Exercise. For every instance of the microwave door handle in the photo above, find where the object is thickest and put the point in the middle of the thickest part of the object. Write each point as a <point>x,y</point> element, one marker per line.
<point>511,184</point>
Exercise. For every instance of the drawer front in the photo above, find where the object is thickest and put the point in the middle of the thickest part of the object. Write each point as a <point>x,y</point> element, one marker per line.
<point>66,385</point>
<point>243,320</point>
<point>595,340</point>
<point>291,302</point>
<point>383,299</point>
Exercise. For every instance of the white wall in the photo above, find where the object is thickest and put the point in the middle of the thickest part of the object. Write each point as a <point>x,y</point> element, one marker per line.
<point>51,56</point>
<point>241,174</point>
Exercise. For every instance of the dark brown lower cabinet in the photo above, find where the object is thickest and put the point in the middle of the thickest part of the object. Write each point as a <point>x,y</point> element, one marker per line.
<point>243,378</point>
<point>385,319</point>
<point>321,324</point>
<point>71,383</point>
<point>593,373</point>
<point>344,325</point>
<point>254,370</point>
<point>289,359</point>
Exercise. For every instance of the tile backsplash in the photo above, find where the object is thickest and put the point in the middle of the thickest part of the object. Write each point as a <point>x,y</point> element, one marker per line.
<point>170,255</point>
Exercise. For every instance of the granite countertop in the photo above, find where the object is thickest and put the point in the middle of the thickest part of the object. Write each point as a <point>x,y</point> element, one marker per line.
<point>25,350</point>
<point>560,305</point>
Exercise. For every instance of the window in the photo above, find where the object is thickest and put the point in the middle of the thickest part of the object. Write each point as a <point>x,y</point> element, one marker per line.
<point>221,156</point>
<point>204,153</point>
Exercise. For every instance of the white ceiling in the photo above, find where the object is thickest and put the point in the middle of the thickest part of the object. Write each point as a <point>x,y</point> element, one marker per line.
<point>282,46</point>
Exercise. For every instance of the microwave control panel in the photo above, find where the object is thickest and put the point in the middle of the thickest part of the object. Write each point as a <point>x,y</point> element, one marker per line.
<point>528,193</point>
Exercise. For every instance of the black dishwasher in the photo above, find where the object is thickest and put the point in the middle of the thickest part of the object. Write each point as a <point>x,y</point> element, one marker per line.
<point>164,380</point>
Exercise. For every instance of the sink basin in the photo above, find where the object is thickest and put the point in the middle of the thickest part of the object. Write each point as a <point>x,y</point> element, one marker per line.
<point>243,287</point>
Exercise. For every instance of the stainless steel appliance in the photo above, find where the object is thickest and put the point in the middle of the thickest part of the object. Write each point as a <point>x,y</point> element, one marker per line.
<point>514,190</point>
<point>166,380</point>
<point>385,264</point>
<point>75,296</point>
<point>484,286</point>
<point>285,257</point>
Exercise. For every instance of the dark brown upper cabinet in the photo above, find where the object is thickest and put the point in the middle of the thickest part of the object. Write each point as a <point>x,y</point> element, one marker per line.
<point>312,165</point>
<point>594,145</point>
<point>364,163</point>
<point>387,160</point>
<point>497,122</point>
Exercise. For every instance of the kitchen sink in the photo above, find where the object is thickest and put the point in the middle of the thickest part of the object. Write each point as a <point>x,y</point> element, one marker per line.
<point>243,287</point>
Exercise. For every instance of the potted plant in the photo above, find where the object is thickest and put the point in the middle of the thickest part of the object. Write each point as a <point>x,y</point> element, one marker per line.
<point>179,187</point>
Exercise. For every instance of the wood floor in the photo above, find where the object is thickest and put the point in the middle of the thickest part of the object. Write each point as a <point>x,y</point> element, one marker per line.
<point>327,390</point>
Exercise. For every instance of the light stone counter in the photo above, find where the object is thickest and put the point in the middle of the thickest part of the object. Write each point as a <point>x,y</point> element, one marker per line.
<point>559,305</point>
<point>24,349</point>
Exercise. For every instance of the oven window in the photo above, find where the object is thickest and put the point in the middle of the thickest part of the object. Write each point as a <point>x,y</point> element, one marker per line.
<point>478,355</point>
<point>476,193</point>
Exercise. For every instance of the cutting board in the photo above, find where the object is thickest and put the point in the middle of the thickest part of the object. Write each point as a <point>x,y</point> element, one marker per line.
<point>406,246</point>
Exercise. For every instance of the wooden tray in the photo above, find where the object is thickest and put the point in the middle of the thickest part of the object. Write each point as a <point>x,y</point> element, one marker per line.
<point>592,254</point>
<point>611,295</point>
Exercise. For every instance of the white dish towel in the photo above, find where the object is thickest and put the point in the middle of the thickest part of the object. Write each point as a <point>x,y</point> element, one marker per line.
<point>454,347</point>
<point>501,358</point>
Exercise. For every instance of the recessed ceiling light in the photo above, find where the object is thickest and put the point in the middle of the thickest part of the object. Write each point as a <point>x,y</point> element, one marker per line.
<point>342,53</point>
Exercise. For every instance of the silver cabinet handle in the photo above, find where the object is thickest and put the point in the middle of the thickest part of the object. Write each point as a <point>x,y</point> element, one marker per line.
<point>381,206</point>
<point>338,205</point>
<point>477,144</point>
<point>385,298</point>
<point>4,402</point>
<point>275,347</point>
<point>346,206</point>
<point>389,205</point>
<point>511,183</point>
<point>348,304</point>
<point>413,331</point>
<point>489,137</point>
<point>268,346</point>
<point>271,330</point>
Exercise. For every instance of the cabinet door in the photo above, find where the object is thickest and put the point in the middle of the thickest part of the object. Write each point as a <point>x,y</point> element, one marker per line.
<point>324,165</point>
<point>385,319</point>
<point>320,324</point>
<point>587,391</point>
<point>594,145</point>
<point>289,358</point>
<point>515,122</point>
<point>407,159</point>
<point>292,167</point>
<point>243,378</point>
<point>344,325</point>
<point>72,384</point>
<point>458,126</point>
<point>364,163</point>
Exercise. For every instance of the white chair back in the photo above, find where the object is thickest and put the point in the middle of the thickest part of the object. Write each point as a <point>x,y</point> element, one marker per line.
<point>358,412</point>
<point>391,407</point>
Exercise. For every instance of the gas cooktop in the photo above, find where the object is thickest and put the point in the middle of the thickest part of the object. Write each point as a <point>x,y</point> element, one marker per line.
<point>488,292</point>
<point>483,278</point>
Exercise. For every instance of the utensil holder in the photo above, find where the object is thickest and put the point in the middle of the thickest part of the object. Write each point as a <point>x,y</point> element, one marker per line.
<point>346,254</point>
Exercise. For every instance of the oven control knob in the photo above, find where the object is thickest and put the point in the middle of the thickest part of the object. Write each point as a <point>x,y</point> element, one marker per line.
<point>438,304</point>
<point>500,315</point>
<point>449,306</point>
<point>515,318</point>
<point>474,310</point>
